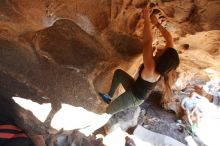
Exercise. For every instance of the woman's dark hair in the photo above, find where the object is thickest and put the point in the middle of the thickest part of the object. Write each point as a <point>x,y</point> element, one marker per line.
<point>168,61</point>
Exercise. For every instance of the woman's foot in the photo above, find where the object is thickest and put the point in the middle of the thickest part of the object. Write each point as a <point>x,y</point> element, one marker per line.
<point>105,97</point>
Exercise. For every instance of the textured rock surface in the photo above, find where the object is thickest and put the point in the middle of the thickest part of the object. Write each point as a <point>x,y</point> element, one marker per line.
<point>125,119</point>
<point>66,50</point>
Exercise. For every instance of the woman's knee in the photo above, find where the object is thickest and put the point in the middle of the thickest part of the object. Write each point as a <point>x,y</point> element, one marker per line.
<point>119,71</point>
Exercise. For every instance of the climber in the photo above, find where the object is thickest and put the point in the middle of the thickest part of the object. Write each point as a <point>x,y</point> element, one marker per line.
<point>152,70</point>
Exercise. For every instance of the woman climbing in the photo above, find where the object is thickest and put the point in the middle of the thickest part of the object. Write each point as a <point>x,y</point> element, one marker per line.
<point>153,68</point>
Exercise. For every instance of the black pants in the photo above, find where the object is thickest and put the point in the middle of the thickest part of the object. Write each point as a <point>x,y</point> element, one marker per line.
<point>126,99</point>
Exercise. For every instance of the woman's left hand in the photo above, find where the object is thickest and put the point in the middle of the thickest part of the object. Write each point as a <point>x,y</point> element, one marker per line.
<point>154,19</point>
<point>146,13</point>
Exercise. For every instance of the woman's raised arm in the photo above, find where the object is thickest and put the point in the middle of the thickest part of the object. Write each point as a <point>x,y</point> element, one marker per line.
<point>149,64</point>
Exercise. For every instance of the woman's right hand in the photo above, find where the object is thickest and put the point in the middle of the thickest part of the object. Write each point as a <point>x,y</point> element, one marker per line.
<point>154,19</point>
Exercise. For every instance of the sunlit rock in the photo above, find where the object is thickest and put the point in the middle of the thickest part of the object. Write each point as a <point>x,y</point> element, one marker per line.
<point>66,51</point>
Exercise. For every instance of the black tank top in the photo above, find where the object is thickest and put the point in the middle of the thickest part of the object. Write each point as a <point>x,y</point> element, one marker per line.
<point>142,88</point>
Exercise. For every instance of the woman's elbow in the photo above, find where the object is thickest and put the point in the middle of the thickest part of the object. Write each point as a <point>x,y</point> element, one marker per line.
<point>169,43</point>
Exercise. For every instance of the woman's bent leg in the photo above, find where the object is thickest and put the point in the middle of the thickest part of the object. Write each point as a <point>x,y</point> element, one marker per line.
<point>122,77</point>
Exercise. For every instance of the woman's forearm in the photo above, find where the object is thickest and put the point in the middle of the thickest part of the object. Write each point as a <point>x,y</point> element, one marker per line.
<point>147,32</point>
<point>166,34</point>
<point>147,36</point>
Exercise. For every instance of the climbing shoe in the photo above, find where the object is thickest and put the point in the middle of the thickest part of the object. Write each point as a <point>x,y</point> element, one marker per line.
<point>105,97</point>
